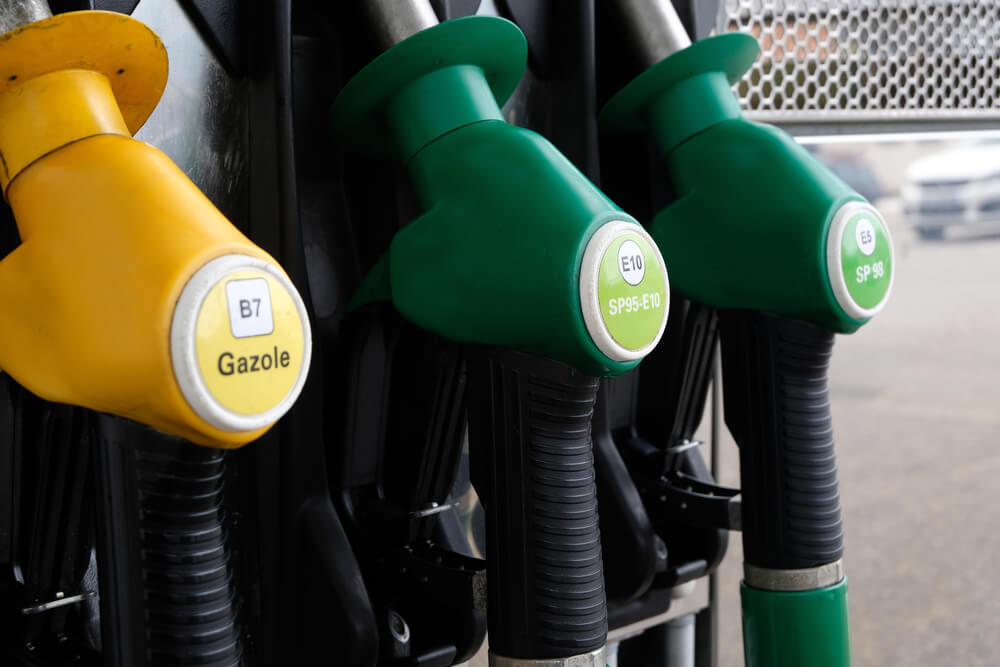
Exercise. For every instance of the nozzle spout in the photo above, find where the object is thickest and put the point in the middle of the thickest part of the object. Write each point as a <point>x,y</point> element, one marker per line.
<point>395,20</point>
<point>17,13</point>
<point>654,28</point>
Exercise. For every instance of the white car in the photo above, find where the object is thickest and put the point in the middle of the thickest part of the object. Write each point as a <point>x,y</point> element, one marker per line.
<point>959,186</point>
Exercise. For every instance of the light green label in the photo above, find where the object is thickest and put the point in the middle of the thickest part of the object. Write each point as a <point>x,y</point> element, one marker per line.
<point>632,291</point>
<point>866,259</point>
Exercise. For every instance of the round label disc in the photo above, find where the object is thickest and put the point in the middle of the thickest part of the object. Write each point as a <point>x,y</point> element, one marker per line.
<point>860,259</point>
<point>249,342</point>
<point>624,291</point>
<point>240,343</point>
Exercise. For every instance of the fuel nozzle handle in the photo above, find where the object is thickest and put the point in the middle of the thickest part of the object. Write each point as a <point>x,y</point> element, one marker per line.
<point>783,233</point>
<point>130,293</point>
<point>789,254</point>
<point>777,407</point>
<point>533,468</point>
<point>547,283</point>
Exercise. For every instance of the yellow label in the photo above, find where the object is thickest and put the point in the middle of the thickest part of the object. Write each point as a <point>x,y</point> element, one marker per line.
<point>249,342</point>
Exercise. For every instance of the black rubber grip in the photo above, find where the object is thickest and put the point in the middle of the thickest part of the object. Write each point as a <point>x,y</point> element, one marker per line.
<point>532,465</point>
<point>777,407</point>
<point>191,614</point>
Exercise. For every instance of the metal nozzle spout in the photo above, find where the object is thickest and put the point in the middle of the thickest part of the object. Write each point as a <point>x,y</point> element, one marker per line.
<point>16,13</point>
<point>654,28</point>
<point>395,20</point>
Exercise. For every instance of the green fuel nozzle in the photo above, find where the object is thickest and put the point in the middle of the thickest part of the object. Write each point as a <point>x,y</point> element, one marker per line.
<point>515,248</point>
<point>788,254</point>
<point>759,223</point>
<point>548,283</point>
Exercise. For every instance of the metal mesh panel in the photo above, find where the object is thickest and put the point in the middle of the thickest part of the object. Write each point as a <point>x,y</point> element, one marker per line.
<point>880,62</point>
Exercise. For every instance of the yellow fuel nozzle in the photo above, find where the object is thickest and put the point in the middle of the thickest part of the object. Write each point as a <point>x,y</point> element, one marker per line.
<point>130,292</point>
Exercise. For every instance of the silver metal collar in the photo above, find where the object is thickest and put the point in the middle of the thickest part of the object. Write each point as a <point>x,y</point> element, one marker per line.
<point>396,20</point>
<point>808,579</point>
<point>654,29</point>
<point>596,658</point>
<point>17,13</point>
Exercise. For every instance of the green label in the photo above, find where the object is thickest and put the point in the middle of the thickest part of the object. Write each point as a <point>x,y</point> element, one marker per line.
<point>866,259</point>
<point>631,290</point>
